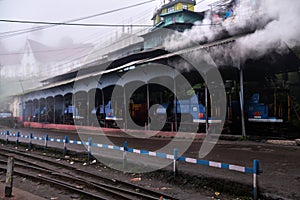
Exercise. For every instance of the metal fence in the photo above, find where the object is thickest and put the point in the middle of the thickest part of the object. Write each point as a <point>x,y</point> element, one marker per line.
<point>254,170</point>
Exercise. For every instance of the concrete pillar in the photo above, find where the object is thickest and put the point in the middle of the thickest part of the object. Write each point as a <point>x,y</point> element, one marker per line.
<point>54,110</point>
<point>242,101</point>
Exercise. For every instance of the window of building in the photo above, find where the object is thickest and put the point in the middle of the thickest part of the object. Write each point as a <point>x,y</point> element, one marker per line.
<point>171,9</point>
<point>184,7</point>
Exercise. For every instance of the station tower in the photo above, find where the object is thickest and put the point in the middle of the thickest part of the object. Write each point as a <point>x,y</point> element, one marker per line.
<point>175,15</point>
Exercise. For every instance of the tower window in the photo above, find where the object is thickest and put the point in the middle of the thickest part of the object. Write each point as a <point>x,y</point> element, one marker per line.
<point>171,9</point>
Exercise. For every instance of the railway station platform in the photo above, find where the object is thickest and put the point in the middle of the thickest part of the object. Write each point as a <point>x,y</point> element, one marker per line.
<point>112,131</point>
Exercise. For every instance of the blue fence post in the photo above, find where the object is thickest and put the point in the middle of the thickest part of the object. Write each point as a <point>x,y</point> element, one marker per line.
<point>125,156</point>
<point>7,134</point>
<point>65,145</point>
<point>89,148</point>
<point>18,136</point>
<point>46,141</point>
<point>255,178</point>
<point>175,166</point>
<point>30,141</point>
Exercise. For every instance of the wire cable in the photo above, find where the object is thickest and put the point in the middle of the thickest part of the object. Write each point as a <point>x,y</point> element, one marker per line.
<point>73,24</point>
<point>50,25</point>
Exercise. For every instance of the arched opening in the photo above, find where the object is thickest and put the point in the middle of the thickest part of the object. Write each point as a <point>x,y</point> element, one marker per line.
<point>42,110</point>
<point>69,109</point>
<point>114,106</point>
<point>136,97</point>
<point>50,110</point>
<point>96,114</point>
<point>81,108</point>
<point>58,109</point>
<point>29,110</point>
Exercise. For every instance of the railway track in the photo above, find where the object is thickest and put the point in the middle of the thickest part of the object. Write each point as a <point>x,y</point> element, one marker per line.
<point>87,185</point>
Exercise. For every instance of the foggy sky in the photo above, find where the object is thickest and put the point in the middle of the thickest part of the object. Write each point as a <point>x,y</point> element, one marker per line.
<point>59,11</point>
<point>63,10</point>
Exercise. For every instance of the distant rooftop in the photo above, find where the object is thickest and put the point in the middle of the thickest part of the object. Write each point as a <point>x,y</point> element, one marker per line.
<point>10,58</point>
<point>47,54</point>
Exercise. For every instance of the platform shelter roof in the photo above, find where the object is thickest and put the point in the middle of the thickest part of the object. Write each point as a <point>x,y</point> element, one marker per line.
<point>262,66</point>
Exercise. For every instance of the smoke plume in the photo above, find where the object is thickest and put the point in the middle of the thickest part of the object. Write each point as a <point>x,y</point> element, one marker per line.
<point>265,26</point>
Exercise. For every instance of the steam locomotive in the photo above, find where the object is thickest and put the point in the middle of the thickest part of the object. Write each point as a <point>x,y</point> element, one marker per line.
<point>190,111</point>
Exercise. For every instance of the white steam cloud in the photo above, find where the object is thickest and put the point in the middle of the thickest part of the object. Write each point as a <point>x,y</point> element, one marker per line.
<point>283,31</point>
<point>270,26</point>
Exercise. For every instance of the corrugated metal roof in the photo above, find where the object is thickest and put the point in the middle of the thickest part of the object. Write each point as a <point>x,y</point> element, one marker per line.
<point>137,62</point>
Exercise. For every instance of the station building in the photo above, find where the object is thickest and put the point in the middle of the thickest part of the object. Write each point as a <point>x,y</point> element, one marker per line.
<point>80,96</point>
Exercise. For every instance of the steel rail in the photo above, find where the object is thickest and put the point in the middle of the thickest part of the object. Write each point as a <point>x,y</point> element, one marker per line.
<point>149,194</point>
<point>100,186</point>
<point>55,182</point>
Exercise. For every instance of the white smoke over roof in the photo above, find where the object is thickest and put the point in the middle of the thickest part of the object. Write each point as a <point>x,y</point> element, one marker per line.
<point>283,30</point>
<point>271,26</point>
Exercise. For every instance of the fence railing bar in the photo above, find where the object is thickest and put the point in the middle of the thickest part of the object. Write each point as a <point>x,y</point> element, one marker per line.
<point>255,170</point>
